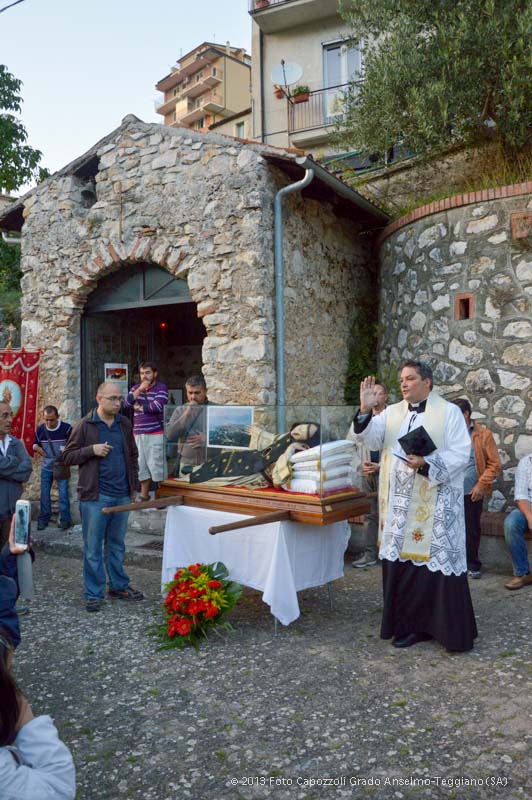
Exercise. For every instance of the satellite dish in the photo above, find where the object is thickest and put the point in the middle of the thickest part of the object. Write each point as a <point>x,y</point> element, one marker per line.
<point>286,74</point>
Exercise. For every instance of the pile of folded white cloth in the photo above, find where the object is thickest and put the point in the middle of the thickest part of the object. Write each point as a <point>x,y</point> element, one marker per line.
<point>324,469</point>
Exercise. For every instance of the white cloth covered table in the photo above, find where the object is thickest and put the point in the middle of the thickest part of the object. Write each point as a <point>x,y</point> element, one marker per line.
<point>279,558</point>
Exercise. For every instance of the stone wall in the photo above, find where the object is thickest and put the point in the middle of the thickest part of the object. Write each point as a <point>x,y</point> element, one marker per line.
<point>478,248</point>
<point>201,206</point>
<point>404,184</point>
<point>328,273</point>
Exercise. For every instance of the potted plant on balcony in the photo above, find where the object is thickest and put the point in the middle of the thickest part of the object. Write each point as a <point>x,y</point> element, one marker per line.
<point>301,94</point>
<point>278,92</point>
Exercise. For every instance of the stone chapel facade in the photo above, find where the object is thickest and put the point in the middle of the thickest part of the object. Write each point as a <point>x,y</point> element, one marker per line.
<point>200,207</point>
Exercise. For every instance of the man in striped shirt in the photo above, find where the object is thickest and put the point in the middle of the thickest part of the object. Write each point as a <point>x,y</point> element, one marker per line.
<point>50,440</point>
<point>148,399</point>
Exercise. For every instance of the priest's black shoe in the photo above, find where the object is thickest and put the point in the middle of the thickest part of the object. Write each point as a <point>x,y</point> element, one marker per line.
<point>410,639</point>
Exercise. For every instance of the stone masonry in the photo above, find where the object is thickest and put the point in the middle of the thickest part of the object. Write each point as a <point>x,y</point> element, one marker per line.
<point>479,253</point>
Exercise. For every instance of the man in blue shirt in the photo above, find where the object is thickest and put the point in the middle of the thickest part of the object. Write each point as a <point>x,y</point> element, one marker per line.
<point>50,440</point>
<point>103,447</point>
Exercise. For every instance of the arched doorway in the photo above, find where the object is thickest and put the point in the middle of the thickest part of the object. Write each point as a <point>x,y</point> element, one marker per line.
<point>140,313</point>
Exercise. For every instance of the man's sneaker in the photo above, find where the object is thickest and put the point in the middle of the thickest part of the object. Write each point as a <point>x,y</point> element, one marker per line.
<point>94,604</point>
<point>64,525</point>
<point>130,593</point>
<point>22,607</point>
<point>474,573</point>
<point>41,526</point>
<point>364,561</point>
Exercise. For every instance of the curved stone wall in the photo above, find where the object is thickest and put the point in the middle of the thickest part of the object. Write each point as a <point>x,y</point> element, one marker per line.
<point>468,256</point>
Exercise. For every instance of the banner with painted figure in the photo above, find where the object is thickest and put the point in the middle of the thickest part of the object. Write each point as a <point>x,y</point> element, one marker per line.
<point>19,386</point>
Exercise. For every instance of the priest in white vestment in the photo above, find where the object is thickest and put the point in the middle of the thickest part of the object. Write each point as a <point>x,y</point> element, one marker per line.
<point>421,514</point>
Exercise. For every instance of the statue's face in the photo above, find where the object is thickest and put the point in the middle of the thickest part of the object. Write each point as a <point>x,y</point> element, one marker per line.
<point>302,433</point>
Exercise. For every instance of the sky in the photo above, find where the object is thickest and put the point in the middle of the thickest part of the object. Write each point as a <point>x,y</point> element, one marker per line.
<point>86,64</point>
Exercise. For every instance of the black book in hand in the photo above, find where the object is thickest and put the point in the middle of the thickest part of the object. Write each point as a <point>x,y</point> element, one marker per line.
<point>417,442</point>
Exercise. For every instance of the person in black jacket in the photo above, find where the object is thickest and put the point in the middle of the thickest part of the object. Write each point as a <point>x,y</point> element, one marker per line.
<point>103,447</point>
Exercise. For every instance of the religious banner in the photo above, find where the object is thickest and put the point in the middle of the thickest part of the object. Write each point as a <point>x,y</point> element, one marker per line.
<point>19,386</point>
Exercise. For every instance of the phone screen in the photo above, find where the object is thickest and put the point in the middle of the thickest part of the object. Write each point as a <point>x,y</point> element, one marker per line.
<point>22,525</point>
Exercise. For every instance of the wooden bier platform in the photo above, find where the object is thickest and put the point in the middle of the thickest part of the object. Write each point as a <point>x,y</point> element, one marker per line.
<point>311,509</point>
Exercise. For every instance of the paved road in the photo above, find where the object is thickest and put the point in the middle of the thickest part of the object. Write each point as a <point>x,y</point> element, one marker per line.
<point>253,716</point>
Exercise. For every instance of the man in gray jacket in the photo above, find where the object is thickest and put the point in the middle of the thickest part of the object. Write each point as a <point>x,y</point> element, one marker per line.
<point>15,469</point>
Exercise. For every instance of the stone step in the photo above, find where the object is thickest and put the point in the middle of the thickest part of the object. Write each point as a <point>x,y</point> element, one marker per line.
<point>149,520</point>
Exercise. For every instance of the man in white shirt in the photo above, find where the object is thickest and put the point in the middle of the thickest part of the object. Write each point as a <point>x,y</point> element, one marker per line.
<point>518,523</point>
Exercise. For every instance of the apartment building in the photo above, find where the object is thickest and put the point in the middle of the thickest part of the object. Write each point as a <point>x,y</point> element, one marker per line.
<point>311,35</point>
<point>208,84</point>
<point>239,125</point>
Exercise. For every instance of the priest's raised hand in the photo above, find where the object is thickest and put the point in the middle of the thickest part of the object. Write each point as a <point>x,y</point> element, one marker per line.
<point>368,396</point>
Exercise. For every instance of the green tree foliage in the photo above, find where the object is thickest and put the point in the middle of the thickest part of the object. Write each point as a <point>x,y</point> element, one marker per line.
<point>19,163</point>
<point>439,73</point>
<point>10,276</point>
<point>362,357</point>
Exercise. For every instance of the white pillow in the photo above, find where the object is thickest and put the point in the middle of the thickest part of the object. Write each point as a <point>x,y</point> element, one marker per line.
<point>314,487</point>
<point>344,470</point>
<point>342,459</point>
<point>323,450</point>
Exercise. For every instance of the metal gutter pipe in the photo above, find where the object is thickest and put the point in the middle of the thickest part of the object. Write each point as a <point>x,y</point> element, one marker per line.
<point>261,79</point>
<point>10,239</point>
<point>342,189</point>
<point>279,290</point>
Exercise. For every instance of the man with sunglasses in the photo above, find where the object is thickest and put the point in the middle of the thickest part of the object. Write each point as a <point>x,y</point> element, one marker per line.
<point>103,446</point>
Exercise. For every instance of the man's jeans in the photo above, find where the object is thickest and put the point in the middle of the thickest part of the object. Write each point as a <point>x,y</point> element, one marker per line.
<point>515,528</point>
<point>47,478</point>
<point>103,544</point>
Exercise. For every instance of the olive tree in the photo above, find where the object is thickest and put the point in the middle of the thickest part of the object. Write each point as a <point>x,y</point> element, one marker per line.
<point>438,73</point>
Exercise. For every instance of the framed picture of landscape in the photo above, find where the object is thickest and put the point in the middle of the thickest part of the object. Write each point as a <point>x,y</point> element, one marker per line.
<point>228,426</point>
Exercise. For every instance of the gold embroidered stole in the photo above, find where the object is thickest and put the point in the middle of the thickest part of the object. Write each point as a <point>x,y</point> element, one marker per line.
<point>420,516</point>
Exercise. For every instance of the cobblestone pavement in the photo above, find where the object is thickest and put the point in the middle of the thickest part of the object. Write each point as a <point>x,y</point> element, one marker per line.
<point>257,716</point>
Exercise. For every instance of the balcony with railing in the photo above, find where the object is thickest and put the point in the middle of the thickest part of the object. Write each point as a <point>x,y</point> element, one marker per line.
<point>276,15</point>
<point>163,106</point>
<point>188,111</point>
<point>197,84</point>
<point>323,108</point>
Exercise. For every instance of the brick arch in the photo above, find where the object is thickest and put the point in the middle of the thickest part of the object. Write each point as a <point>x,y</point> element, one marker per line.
<point>109,256</point>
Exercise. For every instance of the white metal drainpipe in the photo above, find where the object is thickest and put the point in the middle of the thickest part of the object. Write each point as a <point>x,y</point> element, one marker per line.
<point>279,292</point>
<point>10,239</point>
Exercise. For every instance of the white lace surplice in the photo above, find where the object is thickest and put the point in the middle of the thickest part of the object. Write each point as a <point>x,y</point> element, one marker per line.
<point>448,549</point>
